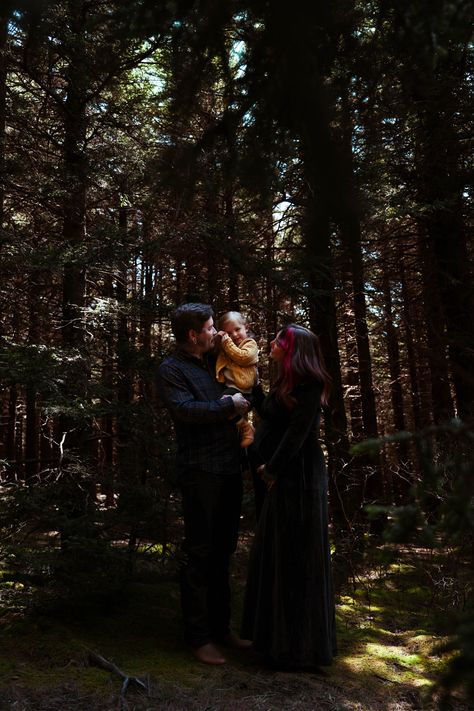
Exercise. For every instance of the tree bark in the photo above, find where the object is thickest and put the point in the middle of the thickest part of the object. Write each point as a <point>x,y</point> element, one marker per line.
<point>125,458</point>
<point>400,485</point>
<point>442,403</point>
<point>447,234</point>
<point>3,97</point>
<point>345,500</point>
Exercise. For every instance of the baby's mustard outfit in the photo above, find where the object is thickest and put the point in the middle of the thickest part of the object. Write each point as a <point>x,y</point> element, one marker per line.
<point>237,367</point>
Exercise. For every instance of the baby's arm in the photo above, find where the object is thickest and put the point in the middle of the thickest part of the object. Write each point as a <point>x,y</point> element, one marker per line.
<point>246,355</point>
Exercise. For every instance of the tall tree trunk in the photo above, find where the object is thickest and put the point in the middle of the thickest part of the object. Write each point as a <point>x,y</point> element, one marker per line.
<point>345,497</point>
<point>269,286</point>
<point>352,378</point>
<point>349,222</point>
<point>106,446</point>
<point>419,412</point>
<point>3,94</point>
<point>125,458</point>
<point>31,423</point>
<point>77,491</point>
<point>233,294</point>
<point>74,281</point>
<point>446,230</point>
<point>346,212</point>
<point>400,484</point>
<point>10,442</point>
<point>350,232</point>
<point>442,403</point>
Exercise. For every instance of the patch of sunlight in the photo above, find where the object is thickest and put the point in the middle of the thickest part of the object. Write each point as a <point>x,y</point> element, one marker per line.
<point>349,604</point>
<point>382,631</point>
<point>392,653</point>
<point>402,568</point>
<point>421,681</point>
<point>151,548</point>
<point>373,666</point>
<point>386,669</point>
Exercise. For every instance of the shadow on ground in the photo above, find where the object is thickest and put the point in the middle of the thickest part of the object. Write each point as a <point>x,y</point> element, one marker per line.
<point>385,663</point>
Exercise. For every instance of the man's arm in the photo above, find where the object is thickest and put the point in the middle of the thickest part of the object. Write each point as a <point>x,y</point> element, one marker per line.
<point>183,405</point>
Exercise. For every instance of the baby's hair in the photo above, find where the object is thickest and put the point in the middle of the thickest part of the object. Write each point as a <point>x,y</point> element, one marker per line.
<point>230,316</point>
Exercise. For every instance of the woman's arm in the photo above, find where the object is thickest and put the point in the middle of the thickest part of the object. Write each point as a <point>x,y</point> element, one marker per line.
<point>302,418</point>
<point>258,396</point>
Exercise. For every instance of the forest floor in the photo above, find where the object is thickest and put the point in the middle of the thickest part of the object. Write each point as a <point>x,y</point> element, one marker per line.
<point>387,661</point>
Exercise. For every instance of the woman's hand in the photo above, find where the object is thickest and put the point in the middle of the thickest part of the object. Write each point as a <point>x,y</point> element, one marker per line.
<point>266,477</point>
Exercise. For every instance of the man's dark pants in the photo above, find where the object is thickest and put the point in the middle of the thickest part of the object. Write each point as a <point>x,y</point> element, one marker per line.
<point>211,509</point>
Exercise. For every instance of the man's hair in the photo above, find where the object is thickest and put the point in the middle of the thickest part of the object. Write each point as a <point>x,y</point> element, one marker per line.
<point>187,317</point>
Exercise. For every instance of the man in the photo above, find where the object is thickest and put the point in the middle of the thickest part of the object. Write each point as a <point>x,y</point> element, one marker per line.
<point>209,475</point>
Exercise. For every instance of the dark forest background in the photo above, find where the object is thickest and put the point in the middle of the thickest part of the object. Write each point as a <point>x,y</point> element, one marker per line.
<point>308,163</point>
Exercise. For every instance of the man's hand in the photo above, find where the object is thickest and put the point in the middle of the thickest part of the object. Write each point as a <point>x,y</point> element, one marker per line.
<point>240,403</point>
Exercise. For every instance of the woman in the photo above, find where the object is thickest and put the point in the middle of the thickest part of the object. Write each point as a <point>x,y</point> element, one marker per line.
<point>289,603</point>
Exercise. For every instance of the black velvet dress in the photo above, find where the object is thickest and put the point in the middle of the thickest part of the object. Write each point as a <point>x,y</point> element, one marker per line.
<point>289,601</point>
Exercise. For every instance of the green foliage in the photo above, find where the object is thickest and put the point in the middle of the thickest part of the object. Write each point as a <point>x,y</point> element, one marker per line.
<point>67,551</point>
<point>440,516</point>
<point>460,671</point>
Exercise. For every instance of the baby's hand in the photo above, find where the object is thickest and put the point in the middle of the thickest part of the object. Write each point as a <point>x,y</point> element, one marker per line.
<point>224,336</point>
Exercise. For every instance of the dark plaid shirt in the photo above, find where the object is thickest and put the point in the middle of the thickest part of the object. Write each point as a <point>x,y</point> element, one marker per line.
<point>207,440</point>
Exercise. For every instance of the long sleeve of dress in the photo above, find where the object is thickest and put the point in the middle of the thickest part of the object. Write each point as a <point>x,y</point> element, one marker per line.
<point>258,396</point>
<point>302,419</point>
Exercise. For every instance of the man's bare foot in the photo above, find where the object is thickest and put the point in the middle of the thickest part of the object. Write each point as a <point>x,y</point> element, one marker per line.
<point>209,654</point>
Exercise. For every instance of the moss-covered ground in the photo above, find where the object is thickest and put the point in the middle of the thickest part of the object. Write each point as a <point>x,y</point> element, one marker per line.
<point>387,634</point>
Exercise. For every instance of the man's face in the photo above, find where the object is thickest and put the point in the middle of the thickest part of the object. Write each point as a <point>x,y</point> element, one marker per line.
<point>205,337</point>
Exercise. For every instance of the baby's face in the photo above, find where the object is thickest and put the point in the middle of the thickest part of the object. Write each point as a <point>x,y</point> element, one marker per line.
<point>236,330</point>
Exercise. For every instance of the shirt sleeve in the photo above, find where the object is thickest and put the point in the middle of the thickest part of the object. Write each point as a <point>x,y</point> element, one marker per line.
<point>302,419</point>
<point>182,403</point>
<point>246,355</point>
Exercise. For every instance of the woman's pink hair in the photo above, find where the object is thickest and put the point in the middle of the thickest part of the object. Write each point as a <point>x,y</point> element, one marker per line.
<point>303,360</point>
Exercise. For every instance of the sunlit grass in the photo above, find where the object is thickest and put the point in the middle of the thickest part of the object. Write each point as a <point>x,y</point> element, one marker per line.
<point>386,634</point>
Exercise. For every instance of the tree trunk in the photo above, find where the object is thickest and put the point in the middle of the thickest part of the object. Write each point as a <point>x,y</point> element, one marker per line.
<point>419,419</point>
<point>3,92</point>
<point>400,485</point>
<point>346,211</point>
<point>125,459</point>
<point>345,500</point>
<point>349,223</point>
<point>10,442</point>
<point>77,491</point>
<point>106,446</point>
<point>442,403</point>
<point>447,234</point>
<point>352,378</point>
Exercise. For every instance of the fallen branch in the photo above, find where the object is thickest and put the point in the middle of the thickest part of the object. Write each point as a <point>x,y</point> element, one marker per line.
<point>97,660</point>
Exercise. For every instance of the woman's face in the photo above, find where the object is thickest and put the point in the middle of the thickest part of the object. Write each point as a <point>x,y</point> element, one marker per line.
<point>276,351</point>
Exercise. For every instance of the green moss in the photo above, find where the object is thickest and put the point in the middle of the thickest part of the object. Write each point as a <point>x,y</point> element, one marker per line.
<point>385,630</point>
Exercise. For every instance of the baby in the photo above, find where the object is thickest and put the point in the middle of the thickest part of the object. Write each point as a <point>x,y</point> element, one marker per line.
<point>237,364</point>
